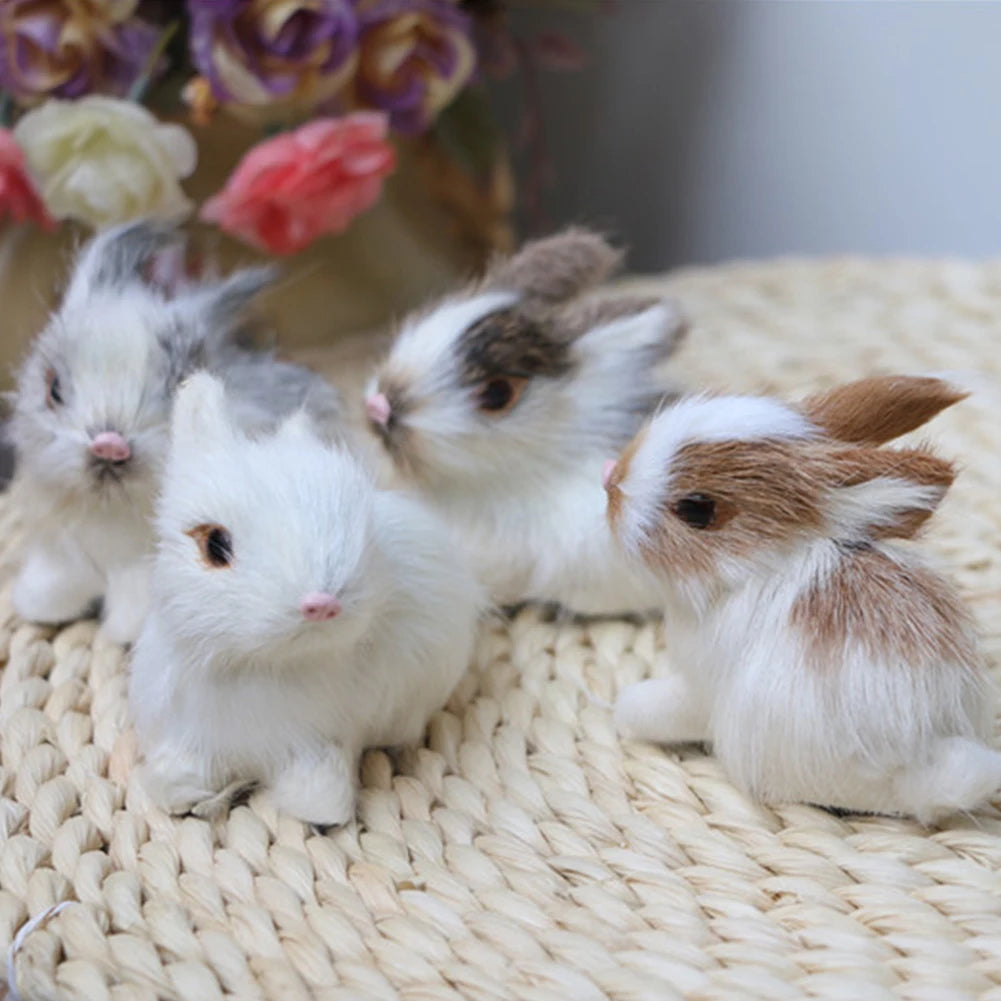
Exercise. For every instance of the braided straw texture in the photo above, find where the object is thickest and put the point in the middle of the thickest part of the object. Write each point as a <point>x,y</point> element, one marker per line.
<point>522,852</point>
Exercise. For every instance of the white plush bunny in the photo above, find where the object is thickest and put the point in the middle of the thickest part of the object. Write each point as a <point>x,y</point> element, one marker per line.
<point>299,616</point>
<point>823,663</point>
<point>500,404</point>
<point>91,414</point>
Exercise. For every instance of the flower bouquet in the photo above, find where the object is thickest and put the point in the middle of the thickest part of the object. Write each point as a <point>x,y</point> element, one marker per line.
<point>102,101</point>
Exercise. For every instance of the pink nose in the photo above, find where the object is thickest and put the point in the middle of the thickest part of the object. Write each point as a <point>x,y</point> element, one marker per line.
<point>378,409</point>
<point>318,606</point>
<point>110,446</point>
<point>606,472</point>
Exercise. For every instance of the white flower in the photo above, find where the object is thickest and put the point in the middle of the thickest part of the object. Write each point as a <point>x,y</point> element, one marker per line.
<point>105,161</point>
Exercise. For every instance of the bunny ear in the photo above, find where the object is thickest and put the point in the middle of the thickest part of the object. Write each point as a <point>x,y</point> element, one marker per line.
<point>223,307</point>
<point>552,270</point>
<point>127,255</point>
<point>645,325</point>
<point>201,417</point>
<point>886,493</point>
<point>877,410</point>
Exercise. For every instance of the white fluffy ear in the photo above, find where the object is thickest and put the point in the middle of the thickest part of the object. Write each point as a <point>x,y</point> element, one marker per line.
<point>201,417</point>
<point>649,330</point>
<point>885,493</point>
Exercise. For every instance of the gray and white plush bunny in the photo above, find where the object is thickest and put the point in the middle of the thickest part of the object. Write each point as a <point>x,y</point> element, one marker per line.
<point>92,408</point>
<point>300,616</point>
<point>500,404</point>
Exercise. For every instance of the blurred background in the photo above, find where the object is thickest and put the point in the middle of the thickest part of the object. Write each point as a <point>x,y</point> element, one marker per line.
<point>693,131</point>
<point>703,130</point>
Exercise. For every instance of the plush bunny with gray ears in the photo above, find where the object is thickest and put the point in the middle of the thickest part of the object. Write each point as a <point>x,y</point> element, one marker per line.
<point>500,403</point>
<point>300,616</point>
<point>92,408</point>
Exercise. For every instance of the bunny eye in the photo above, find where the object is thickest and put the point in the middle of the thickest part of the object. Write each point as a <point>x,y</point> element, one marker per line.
<point>54,392</point>
<point>696,510</point>
<point>497,396</point>
<point>215,544</point>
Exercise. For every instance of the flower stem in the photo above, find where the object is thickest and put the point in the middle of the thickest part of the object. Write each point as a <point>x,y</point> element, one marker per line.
<point>138,90</point>
<point>5,103</point>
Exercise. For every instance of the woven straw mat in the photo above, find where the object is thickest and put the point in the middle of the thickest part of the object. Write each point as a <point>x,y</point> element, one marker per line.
<point>523,852</point>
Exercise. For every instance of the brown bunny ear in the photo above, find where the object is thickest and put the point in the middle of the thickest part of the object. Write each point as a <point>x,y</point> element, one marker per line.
<point>877,410</point>
<point>552,270</point>
<point>886,493</point>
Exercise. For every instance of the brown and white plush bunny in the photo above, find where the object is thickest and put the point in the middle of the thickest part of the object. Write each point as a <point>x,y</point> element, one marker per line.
<point>823,662</point>
<point>500,404</point>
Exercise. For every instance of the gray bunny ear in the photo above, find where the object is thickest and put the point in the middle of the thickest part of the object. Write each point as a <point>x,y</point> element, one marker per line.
<point>555,269</point>
<point>123,256</point>
<point>222,311</point>
<point>226,304</point>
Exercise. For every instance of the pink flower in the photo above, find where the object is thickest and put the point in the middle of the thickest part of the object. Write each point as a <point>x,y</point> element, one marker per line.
<point>291,189</point>
<point>18,195</point>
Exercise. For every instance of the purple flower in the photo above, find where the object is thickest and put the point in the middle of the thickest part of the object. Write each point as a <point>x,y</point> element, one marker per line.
<point>294,54</point>
<point>50,48</point>
<point>414,57</point>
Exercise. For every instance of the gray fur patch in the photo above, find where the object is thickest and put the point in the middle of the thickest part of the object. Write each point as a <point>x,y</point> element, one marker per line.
<point>120,256</point>
<point>227,303</point>
<point>263,390</point>
<point>511,343</point>
<point>182,354</point>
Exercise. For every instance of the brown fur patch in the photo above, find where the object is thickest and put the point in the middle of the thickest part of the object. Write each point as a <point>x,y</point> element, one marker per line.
<point>557,268</point>
<point>896,611</point>
<point>769,492</point>
<point>773,483</point>
<point>511,343</point>
<point>620,472</point>
<point>877,410</point>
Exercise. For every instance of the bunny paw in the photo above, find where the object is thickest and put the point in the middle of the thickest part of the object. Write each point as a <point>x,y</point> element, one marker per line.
<point>126,604</point>
<point>662,710</point>
<point>51,590</point>
<point>176,784</point>
<point>216,805</point>
<point>318,790</point>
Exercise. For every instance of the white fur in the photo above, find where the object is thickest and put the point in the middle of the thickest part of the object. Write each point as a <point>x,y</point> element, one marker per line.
<point>550,543</point>
<point>872,735</point>
<point>118,346</point>
<point>522,492</point>
<point>868,732</point>
<point>230,684</point>
<point>877,503</point>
